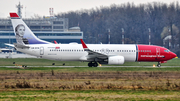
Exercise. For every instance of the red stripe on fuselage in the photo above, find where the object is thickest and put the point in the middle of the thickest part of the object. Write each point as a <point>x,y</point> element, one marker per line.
<point>153,53</point>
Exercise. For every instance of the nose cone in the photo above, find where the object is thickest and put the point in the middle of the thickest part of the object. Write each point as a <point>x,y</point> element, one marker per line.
<point>173,55</point>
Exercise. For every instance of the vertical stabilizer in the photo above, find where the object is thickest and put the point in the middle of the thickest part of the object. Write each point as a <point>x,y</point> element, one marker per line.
<point>22,32</point>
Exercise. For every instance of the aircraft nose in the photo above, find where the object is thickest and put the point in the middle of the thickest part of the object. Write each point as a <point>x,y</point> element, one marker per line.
<point>173,55</point>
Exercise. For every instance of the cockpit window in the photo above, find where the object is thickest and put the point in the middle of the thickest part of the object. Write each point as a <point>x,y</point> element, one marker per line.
<point>166,50</point>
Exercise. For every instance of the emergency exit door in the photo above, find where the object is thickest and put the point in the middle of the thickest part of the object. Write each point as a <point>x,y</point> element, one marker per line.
<point>158,53</point>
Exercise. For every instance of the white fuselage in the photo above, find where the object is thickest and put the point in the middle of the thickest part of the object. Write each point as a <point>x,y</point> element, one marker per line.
<point>75,52</point>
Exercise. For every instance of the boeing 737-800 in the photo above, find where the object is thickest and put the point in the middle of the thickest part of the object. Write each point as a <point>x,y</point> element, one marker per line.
<point>116,54</point>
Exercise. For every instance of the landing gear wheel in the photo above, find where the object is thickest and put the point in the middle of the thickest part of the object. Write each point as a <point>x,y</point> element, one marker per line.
<point>159,64</point>
<point>90,64</point>
<point>95,64</point>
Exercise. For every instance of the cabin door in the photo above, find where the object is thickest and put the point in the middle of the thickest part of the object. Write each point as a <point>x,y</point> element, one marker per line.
<point>41,50</point>
<point>157,52</point>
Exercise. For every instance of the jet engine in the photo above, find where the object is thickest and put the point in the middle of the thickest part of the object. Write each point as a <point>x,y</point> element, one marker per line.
<point>116,60</point>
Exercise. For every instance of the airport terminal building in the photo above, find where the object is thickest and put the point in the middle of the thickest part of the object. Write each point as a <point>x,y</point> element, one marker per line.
<point>48,28</point>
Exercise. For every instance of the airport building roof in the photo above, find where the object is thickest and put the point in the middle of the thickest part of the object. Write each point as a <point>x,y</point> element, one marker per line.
<point>44,24</point>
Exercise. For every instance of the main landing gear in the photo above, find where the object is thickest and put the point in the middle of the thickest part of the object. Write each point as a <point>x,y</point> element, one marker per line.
<point>92,64</point>
<point>159,64</point>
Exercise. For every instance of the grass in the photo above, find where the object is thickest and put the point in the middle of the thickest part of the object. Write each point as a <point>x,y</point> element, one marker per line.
<point>108,95</point>
<point>88,83</point>
<point>37,62</point>
<point>45,62</point>
<point>94,69</point>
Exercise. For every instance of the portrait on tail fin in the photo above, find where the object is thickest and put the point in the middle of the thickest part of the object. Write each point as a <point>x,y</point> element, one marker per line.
<point>20,31</point>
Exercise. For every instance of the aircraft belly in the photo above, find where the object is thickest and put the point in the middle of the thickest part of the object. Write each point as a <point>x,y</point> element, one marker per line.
<point>130,57</point>
<point>70,56</point>
<point>28,51</point>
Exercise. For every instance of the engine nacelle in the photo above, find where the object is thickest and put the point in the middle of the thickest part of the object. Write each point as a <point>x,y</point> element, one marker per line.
<point>116,60</point>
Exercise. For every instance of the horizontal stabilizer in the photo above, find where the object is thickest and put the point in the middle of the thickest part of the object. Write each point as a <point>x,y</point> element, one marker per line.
<point>20,45</point>
<point>9,44</point>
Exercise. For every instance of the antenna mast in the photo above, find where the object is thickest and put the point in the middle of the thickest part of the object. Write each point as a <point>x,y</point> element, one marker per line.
<point>19,7</point>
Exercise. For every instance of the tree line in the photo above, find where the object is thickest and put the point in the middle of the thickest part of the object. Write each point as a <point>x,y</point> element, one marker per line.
<point>134,19</point>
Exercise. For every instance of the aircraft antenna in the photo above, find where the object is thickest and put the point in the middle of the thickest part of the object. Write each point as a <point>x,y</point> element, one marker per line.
<point>51,12</point>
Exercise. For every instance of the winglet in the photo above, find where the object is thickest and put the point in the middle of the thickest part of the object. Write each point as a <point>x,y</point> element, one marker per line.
<point>83,44</point>
<point>14,15</point>
<point>55,42</point>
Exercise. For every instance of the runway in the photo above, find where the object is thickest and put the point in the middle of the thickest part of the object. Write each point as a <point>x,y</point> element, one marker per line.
<point>91,67</point>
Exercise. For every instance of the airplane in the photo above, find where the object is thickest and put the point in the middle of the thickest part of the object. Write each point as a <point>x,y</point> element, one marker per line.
<point>113,54</point>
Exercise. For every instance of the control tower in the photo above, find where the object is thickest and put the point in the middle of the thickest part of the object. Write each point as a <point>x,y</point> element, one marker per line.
<point>19,7</point>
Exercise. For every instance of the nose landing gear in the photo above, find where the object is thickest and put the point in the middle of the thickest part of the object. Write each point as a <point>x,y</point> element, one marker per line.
<point>92,64</point>
<point>159,64</point>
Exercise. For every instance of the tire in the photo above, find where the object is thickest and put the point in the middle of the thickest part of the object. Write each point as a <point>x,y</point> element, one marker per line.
<point>90,64</point>
<point>159,65</point>
<point>95,64</point>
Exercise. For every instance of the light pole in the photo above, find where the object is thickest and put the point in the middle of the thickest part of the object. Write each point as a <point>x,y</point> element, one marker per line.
<point>122,35</point>
<point>149,36</point>
<point>109,35</point>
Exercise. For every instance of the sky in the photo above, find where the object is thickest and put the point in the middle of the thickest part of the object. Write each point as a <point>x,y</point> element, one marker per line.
<point>41,7</point>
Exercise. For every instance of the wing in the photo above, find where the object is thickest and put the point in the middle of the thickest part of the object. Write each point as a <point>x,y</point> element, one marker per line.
<point>92,54</point>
